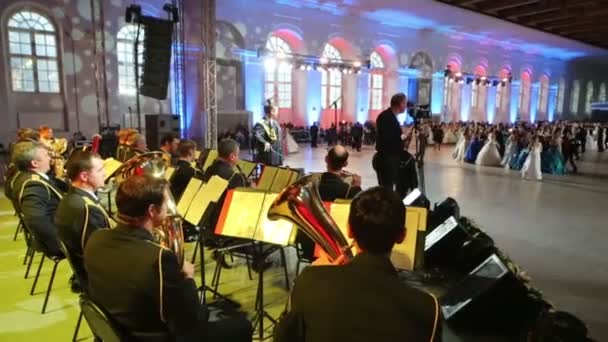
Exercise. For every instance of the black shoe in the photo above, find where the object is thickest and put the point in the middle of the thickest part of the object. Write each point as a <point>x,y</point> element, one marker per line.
<point>75,285</point>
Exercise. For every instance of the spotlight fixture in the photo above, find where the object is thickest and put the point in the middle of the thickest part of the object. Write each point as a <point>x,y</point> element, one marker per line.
<point>133,14</point>
<point>323,60</point>
<point>357,64</point>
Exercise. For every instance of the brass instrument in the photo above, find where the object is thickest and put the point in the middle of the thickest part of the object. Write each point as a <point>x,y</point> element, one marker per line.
<point>301,204</point>
<point>56,147</point>
<point>170,234</point>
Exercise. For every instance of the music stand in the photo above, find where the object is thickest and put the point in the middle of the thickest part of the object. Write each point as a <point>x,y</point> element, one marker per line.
<point>202,199</point>
<point>244,215</point>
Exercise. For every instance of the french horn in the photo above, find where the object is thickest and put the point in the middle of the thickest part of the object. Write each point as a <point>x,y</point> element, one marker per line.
<point>301,204</point>
<point>170,234</point>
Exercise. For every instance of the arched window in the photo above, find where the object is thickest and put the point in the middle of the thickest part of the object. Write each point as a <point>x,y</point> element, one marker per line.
<point>601,97</point>
<point>331,80</point>
<point>125,51</point>
<point>33,53</point>
<point>543,98</point>
<point>377,81</point>
<point>576,90</point>
<point>278,75</point>
<point>561,94</point>
<point>589,97</point>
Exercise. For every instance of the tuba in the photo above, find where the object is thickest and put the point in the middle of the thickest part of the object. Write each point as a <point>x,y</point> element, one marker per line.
<point>170,234</point>
<point>301,204</point>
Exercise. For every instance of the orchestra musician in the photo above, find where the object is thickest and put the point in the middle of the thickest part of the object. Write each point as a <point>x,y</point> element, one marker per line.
<point>168,146</point>
<point>363,300</point>
<point>80,213</point>
<point>151,293</point>
<point>136,145</point>
<point>23,134</point>
<point>123,147</point>
<point>331,187</point>
<point>267,135</point>
<point>36,194</point>
<point>184,170</point>
<point>47,136</point>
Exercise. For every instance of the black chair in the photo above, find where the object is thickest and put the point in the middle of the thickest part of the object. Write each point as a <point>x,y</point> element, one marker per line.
<point>38,247</point>
<point>78,277</point>
<point>99,322</point>
<point>106,330</point>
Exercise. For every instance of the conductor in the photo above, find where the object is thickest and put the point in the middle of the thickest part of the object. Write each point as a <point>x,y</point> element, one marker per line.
<point>267,135</point>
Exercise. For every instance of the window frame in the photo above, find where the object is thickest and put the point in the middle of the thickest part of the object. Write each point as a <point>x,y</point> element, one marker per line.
<point>37,59</point>
<point>331,80</point>
<point>127,82</point>
<point>376,82</point>
<point>278,83</point>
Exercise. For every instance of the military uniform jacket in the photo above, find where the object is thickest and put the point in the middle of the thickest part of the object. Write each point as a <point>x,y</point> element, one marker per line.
<point>332,187</point>
<point>140,284</point>
<point>359,302</point>
<point>181,177</point>
<point>268,131</point>
<point>78,215</point>
<point>37,199</point>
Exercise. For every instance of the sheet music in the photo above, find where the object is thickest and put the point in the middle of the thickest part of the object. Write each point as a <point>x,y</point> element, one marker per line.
<point>210,192</point>
<point>277,232</point>
<point>404,254</point>
<point>169,172</point>
<point>110,165</point>
<point>211,156</point>
<point>186,200</point>
<point>242,214</point>
<point>267,179</point>
<point>247,166</point>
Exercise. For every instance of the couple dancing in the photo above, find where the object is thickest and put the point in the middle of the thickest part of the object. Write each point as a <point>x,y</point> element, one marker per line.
<point>479,150</point>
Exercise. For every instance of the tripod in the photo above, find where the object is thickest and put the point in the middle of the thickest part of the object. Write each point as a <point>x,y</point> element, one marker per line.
<point>260,313</point>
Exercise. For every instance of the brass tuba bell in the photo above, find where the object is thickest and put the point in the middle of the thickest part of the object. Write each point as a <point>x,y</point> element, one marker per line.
<point>301,204</point>
<point>170,234</point>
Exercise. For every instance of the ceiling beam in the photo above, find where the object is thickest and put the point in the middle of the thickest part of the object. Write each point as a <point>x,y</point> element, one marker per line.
<point>497,5</point>
<point>599,30</point>
<point>564,23</point>
<point>467,2</point>
<point>540,7</point>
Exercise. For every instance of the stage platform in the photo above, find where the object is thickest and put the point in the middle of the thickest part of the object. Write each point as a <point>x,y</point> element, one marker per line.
<point>555,229</point>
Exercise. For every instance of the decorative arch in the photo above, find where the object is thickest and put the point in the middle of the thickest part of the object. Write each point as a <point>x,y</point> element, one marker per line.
<point>292,38</point>
<point>347,49</point>
<point>33,50</point>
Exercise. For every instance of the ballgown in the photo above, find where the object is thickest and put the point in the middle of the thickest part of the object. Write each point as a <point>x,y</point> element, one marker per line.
<point>450,137</point>
<point>518,159</point>
<point>473,150</point>
<point>552,162</point>
<point>531,168</point>
<point>510,152</point>
<point>591,141</point>
<point>489,155</point>
<point>460,149</point>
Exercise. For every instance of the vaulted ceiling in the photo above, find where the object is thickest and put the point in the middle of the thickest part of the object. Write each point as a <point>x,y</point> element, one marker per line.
<point>582,20</point>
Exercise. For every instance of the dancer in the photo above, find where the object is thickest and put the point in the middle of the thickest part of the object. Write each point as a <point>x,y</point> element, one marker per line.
<point>531,168</point>
<point>489,155</point>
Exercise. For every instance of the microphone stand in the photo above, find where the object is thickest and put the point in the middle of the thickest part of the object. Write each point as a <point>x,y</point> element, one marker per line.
<point>335,105</point>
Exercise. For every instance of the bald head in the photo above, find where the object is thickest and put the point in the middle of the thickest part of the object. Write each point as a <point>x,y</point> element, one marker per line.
<point>337,158</point>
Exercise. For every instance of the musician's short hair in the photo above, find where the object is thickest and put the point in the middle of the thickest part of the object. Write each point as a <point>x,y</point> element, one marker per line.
<point>186,147</point>
<point>377,219</point>
<point>78,162</point>
<point>24,153</point>
<point>135,195</point>
<point>168,138</point>
<point>398,99</point>
<point>337,157</point>
<point>226,147</point>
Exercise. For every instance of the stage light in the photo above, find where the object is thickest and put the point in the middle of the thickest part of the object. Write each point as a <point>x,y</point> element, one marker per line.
<point>323,60</point>
<point>270,64</point>
<point>505,79</point>
<point>357,64</point>
<point>359,72</point>
<point>450,80</point>
<point>302,67</point>
<point>458,74</point>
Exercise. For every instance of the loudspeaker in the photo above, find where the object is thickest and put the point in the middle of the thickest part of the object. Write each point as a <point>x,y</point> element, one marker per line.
<point>443,245</point>
<point>442,211</point>
<point>157,57</point>
<point>158,125</point>
<point>489,298</point>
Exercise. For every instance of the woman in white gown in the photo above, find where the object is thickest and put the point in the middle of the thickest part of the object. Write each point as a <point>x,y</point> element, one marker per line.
<point>531,169</point>
<point>461,146</point>
<point>489,154</point>
<point>450,135</point>
<point>511,150</point>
